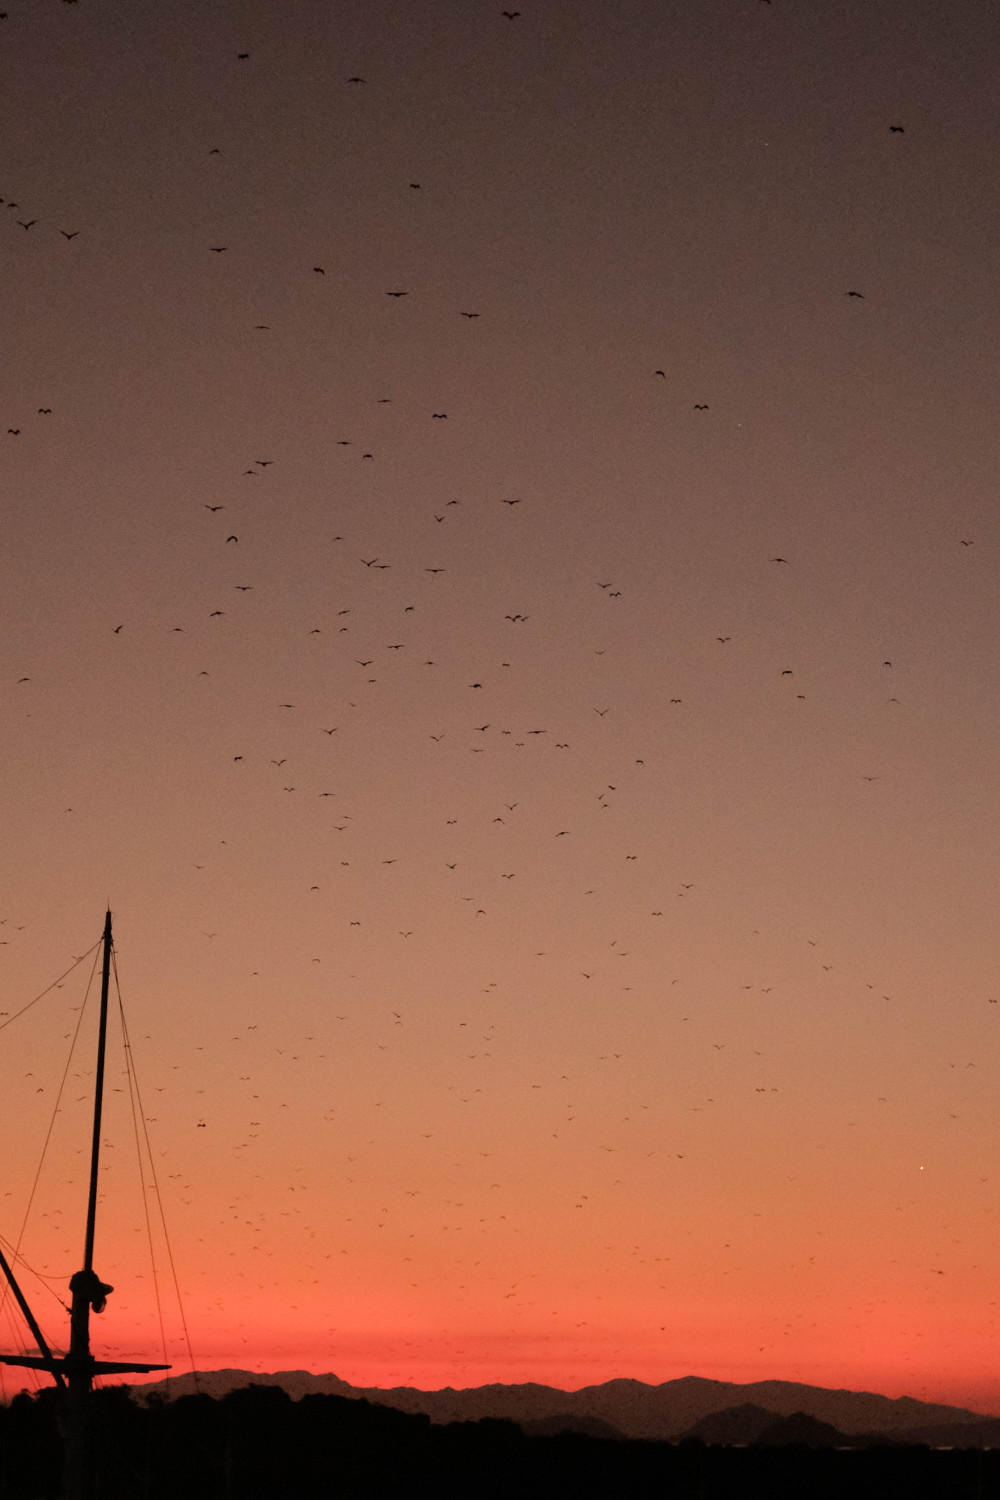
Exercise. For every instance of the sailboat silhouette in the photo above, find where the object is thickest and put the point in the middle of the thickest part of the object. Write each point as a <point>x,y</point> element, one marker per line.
<point>74,1372</point>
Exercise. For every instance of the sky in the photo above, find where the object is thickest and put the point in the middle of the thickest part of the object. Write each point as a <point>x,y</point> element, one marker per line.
<point>536,734</point>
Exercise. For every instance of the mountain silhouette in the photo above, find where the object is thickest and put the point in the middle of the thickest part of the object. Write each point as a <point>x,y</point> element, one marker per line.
<point>258,1443</point>
<point>734,1426</point>
<point>801,1428</point>
<point>984,1433</point>
<point>632,1408</point>
<point>568,1422</point>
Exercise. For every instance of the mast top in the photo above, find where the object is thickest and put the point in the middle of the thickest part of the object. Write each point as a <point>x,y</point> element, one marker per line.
<point>95,1149</point>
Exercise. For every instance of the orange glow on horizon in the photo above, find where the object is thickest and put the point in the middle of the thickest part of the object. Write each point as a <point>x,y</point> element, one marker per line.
<point>499,594</point>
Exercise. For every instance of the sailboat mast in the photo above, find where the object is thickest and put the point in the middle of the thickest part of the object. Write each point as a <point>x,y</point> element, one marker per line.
<point>95,1151</point>
<point>87,1291</point>
<point>76,1370</point>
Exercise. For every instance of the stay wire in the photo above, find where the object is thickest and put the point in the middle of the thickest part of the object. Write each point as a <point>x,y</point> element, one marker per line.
<point>15,1250</point>
<point>55,1109</point>
<point>15,1323</point>
<point>42,1277</point>
<point>18,1013</point>
<point>136,1106</point>
<point>17,1340</point>
<point>156,1184</point>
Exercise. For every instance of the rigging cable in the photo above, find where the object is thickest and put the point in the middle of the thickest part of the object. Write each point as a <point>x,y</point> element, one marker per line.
<point>55,1109</point>
<point>136,1106</point>
<point>15,1250</point>
<point>19,1013</point>
<point>134,1081</point>
<point>42,1277</point>
<point>17,1335</point>
<point>59,1094</point>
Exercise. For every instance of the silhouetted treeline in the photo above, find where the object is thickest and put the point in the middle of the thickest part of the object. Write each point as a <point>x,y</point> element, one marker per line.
<point>258,1444</point>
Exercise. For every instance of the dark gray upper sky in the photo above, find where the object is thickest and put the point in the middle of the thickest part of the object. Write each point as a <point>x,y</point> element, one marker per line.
<point>681,447</point>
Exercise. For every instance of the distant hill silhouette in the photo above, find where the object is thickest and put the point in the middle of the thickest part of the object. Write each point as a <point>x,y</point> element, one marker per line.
<point>257,1443</point>
<point>801,1428</point>
<point>632,1408</point>
<point>984,1433</point>
<point>567,1422</point>
<point>735,1425</point>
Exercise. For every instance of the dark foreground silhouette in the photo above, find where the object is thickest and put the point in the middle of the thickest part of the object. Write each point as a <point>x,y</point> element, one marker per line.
<point>258,1444</point>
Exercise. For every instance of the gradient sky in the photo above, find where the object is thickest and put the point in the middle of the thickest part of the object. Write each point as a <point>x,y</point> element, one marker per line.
<point>558,938</point>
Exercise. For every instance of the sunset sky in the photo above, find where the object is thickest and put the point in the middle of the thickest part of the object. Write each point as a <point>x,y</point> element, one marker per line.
<point>537,735</point>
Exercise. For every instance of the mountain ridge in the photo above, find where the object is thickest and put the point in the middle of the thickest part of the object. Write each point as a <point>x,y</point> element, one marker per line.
<point>632,1407</point>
